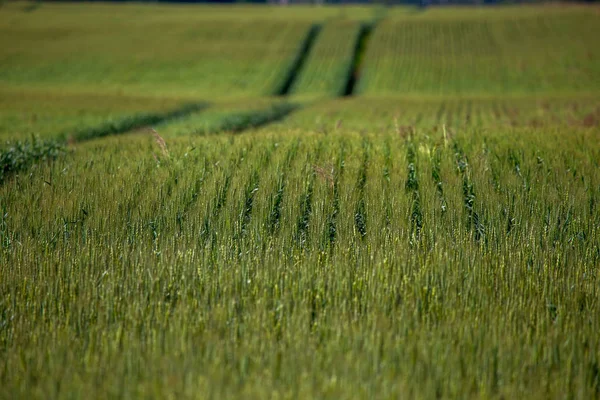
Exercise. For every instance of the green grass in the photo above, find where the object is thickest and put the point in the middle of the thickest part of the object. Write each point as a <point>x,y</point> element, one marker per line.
<point>541,51</point>
<point>156,50</point>
<point>151,273</point>
<point>387,114</point>
<point>435,236</point>
<point>22,155</point>
<point>52,114</point>
<point>229,117</point>
<point>329,62</point>
<point>138,54</point>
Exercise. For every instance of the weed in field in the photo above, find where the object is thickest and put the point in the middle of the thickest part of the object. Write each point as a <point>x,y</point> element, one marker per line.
<point>21,155</point>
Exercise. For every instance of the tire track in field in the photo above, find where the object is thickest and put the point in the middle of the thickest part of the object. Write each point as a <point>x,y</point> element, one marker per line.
<point>234,122</point>
<point>131,122</point>
<point>56,146</point>
<point>355,68</point>
<point>298,63</point>
<point>238,121</point>
<point>241,120</point>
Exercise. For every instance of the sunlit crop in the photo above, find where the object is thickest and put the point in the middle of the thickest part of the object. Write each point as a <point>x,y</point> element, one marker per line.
<point>183,228</point>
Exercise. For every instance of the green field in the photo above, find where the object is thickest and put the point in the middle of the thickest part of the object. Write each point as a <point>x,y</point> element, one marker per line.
<point>327,67</point>
<point>191,207</point>
<point>548,52</point>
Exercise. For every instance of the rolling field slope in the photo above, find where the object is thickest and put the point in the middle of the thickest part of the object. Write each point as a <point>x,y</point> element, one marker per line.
<point>330,60</point>
<point>178,230</point>
<point>182,54</point>
<point>428,114</point>
<point>462,53</point>
<point>51,114</point>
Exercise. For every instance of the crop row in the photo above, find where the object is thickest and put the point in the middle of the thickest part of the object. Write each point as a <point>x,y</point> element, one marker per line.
<point>309,175</point>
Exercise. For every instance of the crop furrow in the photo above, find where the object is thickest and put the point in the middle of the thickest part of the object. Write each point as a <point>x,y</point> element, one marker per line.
<point>298,62</point>
<point>468,190</point>
<point>354,71</point>
<point>221,195</point>
<point>277,198</point>
<point>305,212</point>
<point>194,192</point>
<point>412,187</point>
<point>306,207</point>
<point>436,175</point>
<point>132,122</point>
<point>252,188</point>
<point>333,216</point>
<point>240,121</point>
<point>387,168</point>
<point>360,215</point>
